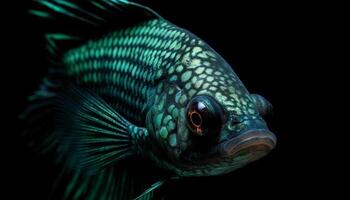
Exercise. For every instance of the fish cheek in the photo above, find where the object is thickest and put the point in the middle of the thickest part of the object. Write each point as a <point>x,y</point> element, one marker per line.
<point>162,122</point>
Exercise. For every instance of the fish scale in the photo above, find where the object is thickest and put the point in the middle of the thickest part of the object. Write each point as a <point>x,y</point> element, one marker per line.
<point>123,66</point>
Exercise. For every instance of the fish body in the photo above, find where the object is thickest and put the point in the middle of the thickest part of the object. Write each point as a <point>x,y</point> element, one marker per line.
<point>154,90</point>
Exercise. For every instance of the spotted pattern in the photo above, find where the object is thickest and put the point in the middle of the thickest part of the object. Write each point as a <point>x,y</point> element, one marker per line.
<point>149,72</point>
<point>124,66</point>
<point>202,71</point>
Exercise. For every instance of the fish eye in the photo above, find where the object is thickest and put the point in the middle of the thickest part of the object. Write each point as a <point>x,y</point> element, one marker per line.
<point>204,116</point>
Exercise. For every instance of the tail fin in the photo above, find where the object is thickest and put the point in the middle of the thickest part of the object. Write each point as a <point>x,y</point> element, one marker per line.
<point>38,116</point>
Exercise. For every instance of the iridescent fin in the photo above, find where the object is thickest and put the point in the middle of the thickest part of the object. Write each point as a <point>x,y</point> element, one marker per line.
<point>148,194</point>
<point>37,118</point>
<point>93,134</point>
<point>122,182</point>
<point>70,23</point>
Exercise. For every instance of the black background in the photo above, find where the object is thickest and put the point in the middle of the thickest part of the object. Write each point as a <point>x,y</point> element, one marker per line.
<point>274,48</point>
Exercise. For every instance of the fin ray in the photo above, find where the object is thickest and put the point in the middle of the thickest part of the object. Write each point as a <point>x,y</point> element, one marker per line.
<point>85,20</point>
<point>93,134</point>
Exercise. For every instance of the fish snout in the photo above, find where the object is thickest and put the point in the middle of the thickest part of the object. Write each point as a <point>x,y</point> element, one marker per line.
<point>254,141</point>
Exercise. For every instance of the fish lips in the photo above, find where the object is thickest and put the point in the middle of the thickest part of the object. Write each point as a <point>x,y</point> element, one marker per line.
<point>248,146</point>
<point>231,154</point>
<point>251,144</point>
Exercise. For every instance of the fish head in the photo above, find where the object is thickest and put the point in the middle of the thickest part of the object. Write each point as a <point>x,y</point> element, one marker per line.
<point>207,123</point>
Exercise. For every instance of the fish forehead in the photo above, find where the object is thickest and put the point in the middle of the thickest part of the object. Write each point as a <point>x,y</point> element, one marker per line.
<point>201,70</point>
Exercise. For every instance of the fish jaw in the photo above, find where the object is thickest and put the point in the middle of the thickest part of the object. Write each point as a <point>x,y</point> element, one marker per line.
<point>252,144</point>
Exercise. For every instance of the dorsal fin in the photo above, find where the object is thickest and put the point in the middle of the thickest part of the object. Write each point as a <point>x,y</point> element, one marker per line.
<point>70,23</point>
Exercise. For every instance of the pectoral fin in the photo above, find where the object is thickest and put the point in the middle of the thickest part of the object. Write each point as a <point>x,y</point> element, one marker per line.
<point>94,135</point>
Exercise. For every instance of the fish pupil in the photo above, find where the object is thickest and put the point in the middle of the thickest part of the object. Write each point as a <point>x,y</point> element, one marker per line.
<point>196,119</point>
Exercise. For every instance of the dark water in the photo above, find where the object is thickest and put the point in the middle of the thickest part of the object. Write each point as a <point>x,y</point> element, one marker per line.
<point>268,48</point>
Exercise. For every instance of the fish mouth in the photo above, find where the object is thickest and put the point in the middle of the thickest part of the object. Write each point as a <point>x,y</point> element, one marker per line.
<point>232,154</point>
<point>253,144</point>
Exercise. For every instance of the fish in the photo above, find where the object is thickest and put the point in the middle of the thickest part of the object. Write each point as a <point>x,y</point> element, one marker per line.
<point>126,86</point>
